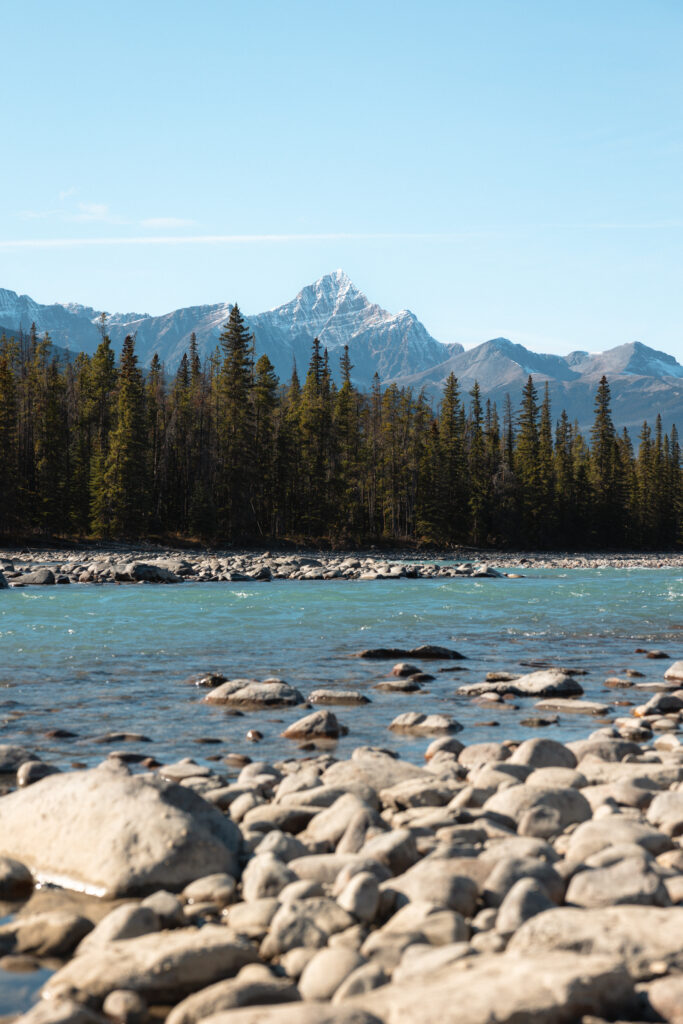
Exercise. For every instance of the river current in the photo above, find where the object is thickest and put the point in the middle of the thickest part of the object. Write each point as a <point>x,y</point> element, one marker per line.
<point>100,659</point>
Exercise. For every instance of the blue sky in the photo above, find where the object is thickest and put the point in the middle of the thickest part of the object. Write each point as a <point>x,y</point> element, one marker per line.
<point>501,168</point>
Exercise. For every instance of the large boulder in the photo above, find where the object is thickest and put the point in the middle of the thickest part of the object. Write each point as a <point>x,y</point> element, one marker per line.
<point>675,672</point>
<point>4,585</point>
<point>144,572</point>
<point>113,834</point>
<point>40,578</point>
<point>165,966</point>
<point>638,936</point>
<point>544,989</point>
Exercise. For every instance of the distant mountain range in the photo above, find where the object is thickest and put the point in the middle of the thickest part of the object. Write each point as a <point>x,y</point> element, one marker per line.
<point>394,345</point>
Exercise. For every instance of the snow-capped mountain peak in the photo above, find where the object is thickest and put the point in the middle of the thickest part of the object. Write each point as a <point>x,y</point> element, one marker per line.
<point>396,346</point>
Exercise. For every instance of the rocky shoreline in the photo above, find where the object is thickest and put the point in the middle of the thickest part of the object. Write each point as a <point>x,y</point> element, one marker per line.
<point>529,881</point>
<point>113,567</point>
<point>27,567</point>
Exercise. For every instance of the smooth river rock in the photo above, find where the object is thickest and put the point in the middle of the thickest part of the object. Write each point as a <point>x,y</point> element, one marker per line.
<point>165,966</point>
<point>541,989</point>
<point>638,936</point>
<point>250,695</point>
<point>318,725</point>
<point>254,985</point>
<point>545,683</point>
<point>112,834</point>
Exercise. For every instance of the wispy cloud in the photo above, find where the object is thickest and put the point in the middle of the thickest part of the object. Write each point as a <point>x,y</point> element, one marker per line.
<point>89,213</point>
<point>100,213</point>
<point>167,222</point>
<point>64,243</point>
<point>93,212</point>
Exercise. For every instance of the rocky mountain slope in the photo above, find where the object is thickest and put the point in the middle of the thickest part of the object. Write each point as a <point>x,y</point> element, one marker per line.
<point>395,345</point>
<point>332,309</point>
<point>643,381</point>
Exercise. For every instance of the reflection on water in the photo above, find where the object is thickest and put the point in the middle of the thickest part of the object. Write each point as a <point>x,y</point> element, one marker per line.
<point>21,979</point>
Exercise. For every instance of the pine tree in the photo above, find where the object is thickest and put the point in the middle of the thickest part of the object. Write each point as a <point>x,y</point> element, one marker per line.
<point>9,441</point>
<point>314,428</point>
<point>126,467</point>
<point>265,409</point>
<point>453,510</point>
<point>236,426</point>
<point>99,412</point>
<point>527,467</point>
<point>478,481</point>
<point>155,401</point>
<point>430,491</point>
<point>346,469</point>
<point>546,475</point>
<point>603,466</point>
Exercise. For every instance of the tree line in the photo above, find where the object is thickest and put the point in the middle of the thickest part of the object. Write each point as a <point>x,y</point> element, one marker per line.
<point>222,451</point>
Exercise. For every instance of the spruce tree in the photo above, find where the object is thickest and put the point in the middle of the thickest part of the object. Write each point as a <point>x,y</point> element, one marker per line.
<point>478,481</point>
<point>99,412</point>
<point>126,466</point>
<point>527,466</point>
<point>453,510</point>
<point>265,408</point>
<point>603,466</point>
<point>9,441</point>
<point>347,449</point>
<point>236,426</point>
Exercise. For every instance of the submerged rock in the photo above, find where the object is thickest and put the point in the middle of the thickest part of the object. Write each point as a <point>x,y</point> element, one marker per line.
<point>425,651</point>
<point>12,757</point>
<point>54,933</point>
<point>338,697</point>
<point>319,725</point>
<point>16,881</point>
<point>424,725</point>
<point>544,683</point>
<point>249,694</point>
<point>675,672</point>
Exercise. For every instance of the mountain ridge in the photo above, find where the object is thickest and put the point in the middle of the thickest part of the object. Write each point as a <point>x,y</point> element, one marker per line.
<point>396,346</point>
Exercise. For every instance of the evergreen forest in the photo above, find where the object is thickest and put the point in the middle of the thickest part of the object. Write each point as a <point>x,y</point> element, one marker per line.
<point>223,452</point>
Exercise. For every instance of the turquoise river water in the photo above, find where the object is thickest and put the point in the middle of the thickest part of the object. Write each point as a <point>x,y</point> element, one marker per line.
<point>100,659</point>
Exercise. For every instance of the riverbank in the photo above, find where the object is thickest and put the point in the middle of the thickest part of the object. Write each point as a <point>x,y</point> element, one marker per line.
<point>131,564</point>
<point>532,880</point>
